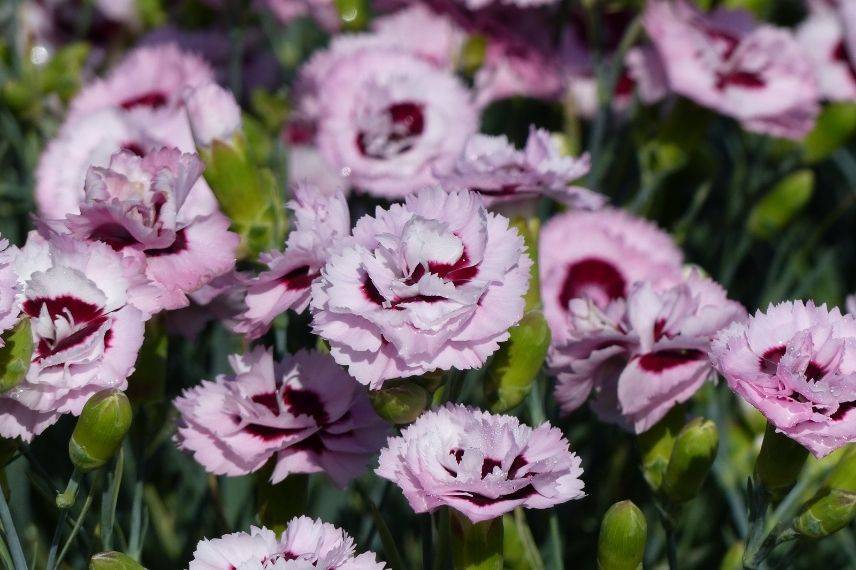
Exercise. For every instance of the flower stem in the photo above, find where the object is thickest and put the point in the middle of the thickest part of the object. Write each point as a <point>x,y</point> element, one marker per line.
<point>476,546</point>
<point>12,540</point>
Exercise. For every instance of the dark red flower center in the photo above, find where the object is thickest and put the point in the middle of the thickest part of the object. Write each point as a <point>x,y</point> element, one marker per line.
<point>87,318</point>
<point>177,246</point>
<point>594,279</point>
<point>407,124</point>
<point>298,278</point>
<point>152,100</point>
<point>769,363</point>
<point>841,54</point>
<point>134,147</point>
<point>665,359</point>
<point>113,234</point>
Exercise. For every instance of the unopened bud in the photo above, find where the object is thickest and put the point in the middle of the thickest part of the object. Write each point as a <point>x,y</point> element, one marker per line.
<point>213,113</point>
<point>779,463</point>
<point>656,446</point>
<point>99,432</point>
<point>829,513</point>
<point>623,533</point>
<point>114,561</point>
<point>517,362</point>
<point>401,401</point>
<point>691,459</point>
<point>15,355</point>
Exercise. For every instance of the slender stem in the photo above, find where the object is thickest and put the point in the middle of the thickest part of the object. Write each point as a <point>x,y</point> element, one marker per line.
<point>66,499</point>
<point>556,540</point>
<point>63,515</point>
<point>14,543</point>
<point>79,521</point>
<point>109,502</point>
<point>672,548</point>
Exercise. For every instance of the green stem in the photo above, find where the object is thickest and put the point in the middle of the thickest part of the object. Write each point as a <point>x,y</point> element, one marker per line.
<point>279,503</point>
<point>476,546</point>
<point>444,531</point>
<point>14,543</point>
<point>109,501</point>
<point>78,522</point>
<point>556,540</point>
<point>427,542</point>
<point>66,499</point>
<point>671,545</point>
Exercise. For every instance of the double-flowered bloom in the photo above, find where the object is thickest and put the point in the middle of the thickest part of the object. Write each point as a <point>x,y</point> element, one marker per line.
<point>796,363</point>
<point>320,224</point>
<point>433,283</point>
<point>480,464</point>
<point>828,37</point>
<point>84,304</point>
<point>138,107</point>
<point>398,115</point>
<point>138,206</point>
<point>493,167</point>
<point>305,412</point>
<point>305,544</point>
<point>725,60</point>
<point>627,324</point>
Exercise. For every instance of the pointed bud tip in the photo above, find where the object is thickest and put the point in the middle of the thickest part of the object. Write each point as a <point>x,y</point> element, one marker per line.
<point>691,459</point>
<point>623,533</point>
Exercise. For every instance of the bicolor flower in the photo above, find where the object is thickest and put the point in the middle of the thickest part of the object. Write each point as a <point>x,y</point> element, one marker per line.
<point>305,412</point>
<point>83,300</point>
<point>480,464</point>
<point>431,284</point>
<point>796,363</point>
<point>828,37</point>
<point>725,60</point>
<point>320,224</point>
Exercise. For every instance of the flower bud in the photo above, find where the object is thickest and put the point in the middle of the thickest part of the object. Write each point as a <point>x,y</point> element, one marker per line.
<point>623,532</point>
<point>834,507</point>
<point>401,401</point>
<point>213,113</point>
<point>517,362</point>
<point>830,512</point>
<point>656,446</point>
<point>15,355</point>
<point>691,459</point>
<point>99,432</point>
<point>114,561</point>
<point>779,463</point>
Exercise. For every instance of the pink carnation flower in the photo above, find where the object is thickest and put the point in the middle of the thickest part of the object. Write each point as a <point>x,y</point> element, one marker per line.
<point>724,60</point>
<point>81,299</point>
<point>213,114</point>
<point>145,94</point>
<point>10,288</point>
<point>137,206</point>
<point>491,166</point>
<point>828,36</point>
<point>320,224</point>
<point>796,363</point>
<point>480,464</point>
<point>322,11</point>
<point>305,411</point>
<point>397,118</point>
<point>433,283</point>
<point>305,544</point>
<point>642,354</point>
<point>597,256</point>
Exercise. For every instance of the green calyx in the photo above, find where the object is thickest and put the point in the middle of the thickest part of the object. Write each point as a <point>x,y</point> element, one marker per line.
<point>99,432</point>
<point>623,533</point>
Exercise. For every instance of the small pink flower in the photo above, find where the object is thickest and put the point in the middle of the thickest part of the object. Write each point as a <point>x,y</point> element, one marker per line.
<point>480,464</point>
<point>434,283</point>
<point>305,411</point>
<point>796,363</point>
<point>511,72</point>
<point>598,256</point>
<point>491,166</point>
<point>213,114</point>
<point>322,11</point>
<point>320,224</point>
<point>142,98</point>
<point>643,353</point>
<point>82,301</point>
<point>417,29</point>
<point>726,61</point>
<point>137,207</point>
<point>827,36</point>
<point>397,118</point>
<point>305,544</point>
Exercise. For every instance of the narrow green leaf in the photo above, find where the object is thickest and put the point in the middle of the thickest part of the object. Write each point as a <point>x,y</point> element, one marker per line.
<point>15,356</point>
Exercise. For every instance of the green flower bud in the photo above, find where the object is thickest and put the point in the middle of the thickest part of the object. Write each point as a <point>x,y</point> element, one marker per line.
<point>114,561</point>
<point>779,463</point>
<point>656,446</point>
<point>476,546</point>
<point>834,506</point>
<point>691,459</point>
<point>623,533</point>
<point>400,401</point>
<point>830,512</point>
<point>15,355</point>
<point>517,362</point>
<point>99,432</point>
